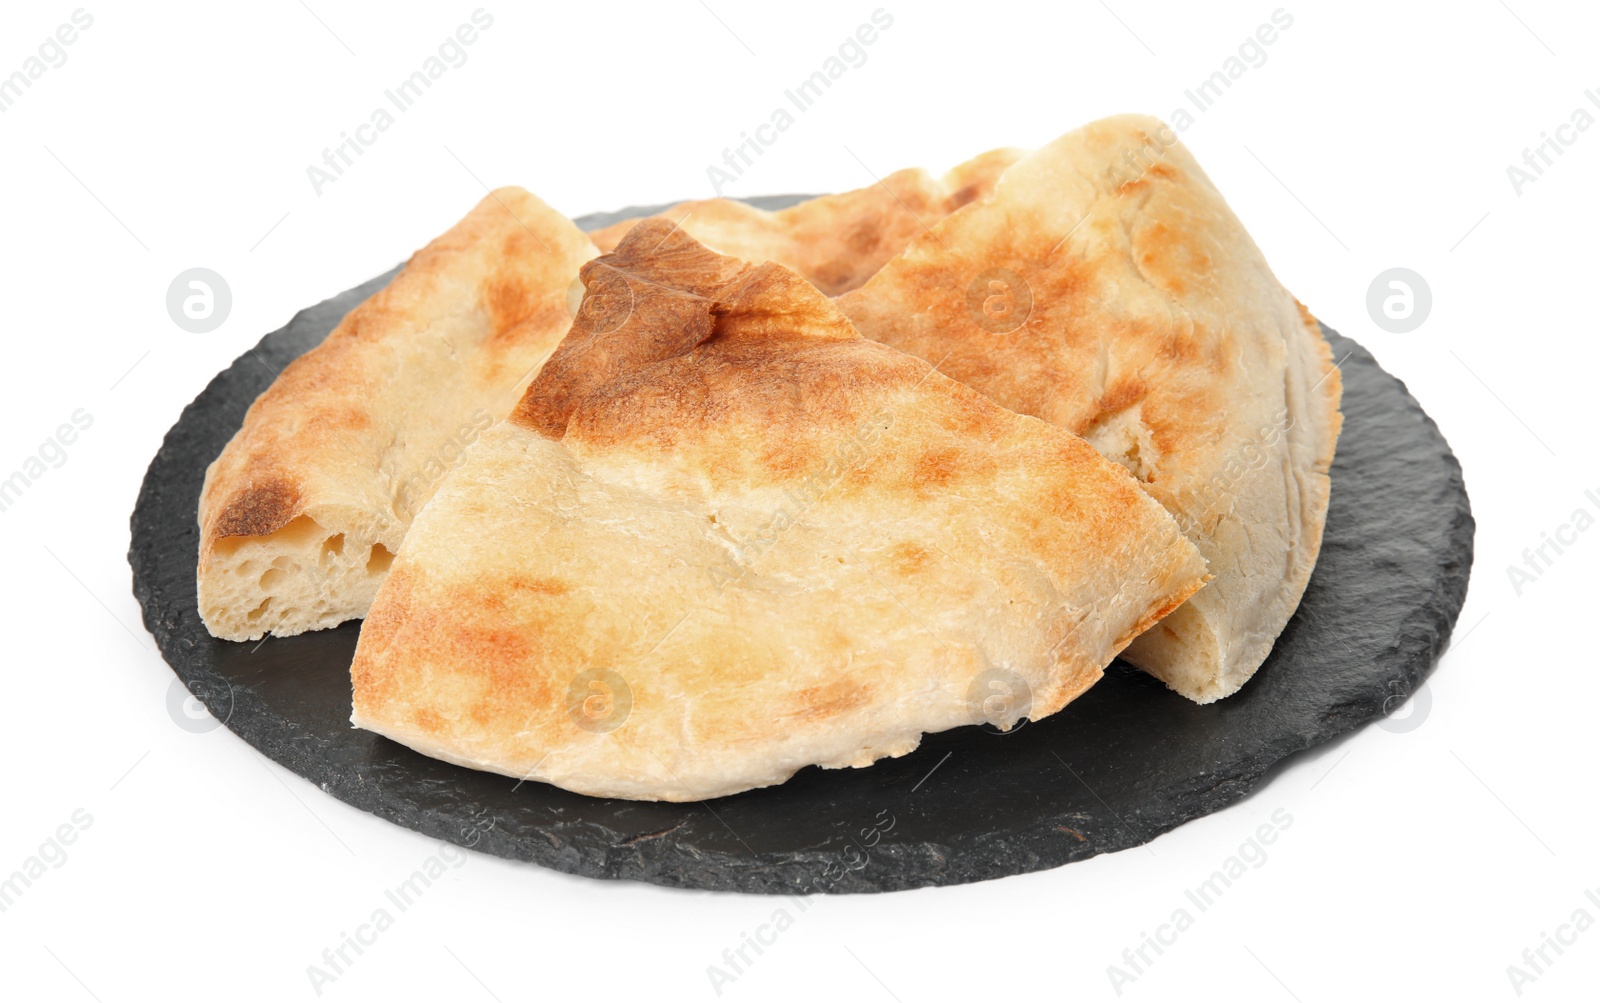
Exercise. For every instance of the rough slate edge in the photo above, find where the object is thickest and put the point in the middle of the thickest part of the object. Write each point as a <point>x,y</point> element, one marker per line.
<point>1408,657</point>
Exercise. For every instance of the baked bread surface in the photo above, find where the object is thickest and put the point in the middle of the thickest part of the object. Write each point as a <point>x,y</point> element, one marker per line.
<point>724,537</point>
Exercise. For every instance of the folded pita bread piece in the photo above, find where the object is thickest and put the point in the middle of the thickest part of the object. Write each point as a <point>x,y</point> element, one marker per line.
<point>835,241</point>
<point>1105,286</point>
<point>305,508</point>
<point>724,537</point>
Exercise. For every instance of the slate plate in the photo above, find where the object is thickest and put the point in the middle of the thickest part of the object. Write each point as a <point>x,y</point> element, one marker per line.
<point>1122,764</point>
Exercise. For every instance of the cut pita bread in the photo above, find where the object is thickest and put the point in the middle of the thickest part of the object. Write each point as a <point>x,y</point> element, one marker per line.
<point>303,511</point>
<point>1105,286</point>
<point>835,241</point>
<point>724,537</point>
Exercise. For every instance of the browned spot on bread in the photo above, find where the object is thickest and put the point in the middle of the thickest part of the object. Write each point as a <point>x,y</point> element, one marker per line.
<point>1124,392</point>
<point>830,700</point>
<point>537,586</point>
<point>521,242</point>
<point>965,195</point>
<point>369,322</point>
<point>938,467</point>
<point>514,679</point>
<point>261,508</point>
<point>969,414</point>
<point>542,315</point>
<point>1159,170</point>
<point>909,557</point>
<point>429,721</point>
<point>974,179</point>
<point>508,300</point>
<point>506,650</point>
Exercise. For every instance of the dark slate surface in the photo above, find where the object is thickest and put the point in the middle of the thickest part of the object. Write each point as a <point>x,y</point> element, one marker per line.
<point>1124,763</point>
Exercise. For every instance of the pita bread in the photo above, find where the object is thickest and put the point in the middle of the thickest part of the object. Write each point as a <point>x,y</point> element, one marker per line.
<point>1105,287</point>
<point>724,537</point>
<point>303,511</point>
<point>835,241</point>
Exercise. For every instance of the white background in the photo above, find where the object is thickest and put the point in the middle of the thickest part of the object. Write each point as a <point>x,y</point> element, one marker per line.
<point>1420,863</point>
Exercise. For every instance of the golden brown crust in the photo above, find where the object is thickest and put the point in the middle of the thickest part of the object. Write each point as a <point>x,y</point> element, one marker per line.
<point>647,302</point>
<point>835,241</point>
<point>1105,287</point>
<point>775,542</point>
<point>258,509</point>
